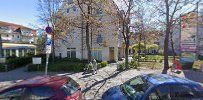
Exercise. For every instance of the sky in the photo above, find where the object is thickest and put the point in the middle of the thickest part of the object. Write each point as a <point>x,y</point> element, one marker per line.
<point>23,12</point>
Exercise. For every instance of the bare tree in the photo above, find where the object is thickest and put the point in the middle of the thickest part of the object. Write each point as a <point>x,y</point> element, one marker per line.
<point>48,10</point>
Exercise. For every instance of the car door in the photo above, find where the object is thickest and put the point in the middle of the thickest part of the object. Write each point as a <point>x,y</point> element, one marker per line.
<point>183,92</point>
<point>13,94</point>
<point>161,92</point>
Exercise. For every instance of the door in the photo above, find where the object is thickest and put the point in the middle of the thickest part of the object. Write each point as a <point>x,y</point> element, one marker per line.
<point>111,54</point>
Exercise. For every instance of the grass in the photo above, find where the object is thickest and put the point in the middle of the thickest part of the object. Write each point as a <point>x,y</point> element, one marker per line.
<point>151,65</point>
<point>197,65</point>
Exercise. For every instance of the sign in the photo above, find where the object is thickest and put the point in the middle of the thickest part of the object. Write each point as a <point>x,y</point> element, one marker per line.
<point>188,34</point>
<point>2,60</point>
<point>36,60</point>
<point>48,29</point>
<point>48,44</point>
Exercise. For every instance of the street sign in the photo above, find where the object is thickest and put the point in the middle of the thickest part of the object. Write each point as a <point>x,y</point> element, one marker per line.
<point>36,60</point>
<point>48,30</point>
<point>48,44</point>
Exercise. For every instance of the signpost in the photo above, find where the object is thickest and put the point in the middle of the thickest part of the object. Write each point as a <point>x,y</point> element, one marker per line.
<point>48,46</point>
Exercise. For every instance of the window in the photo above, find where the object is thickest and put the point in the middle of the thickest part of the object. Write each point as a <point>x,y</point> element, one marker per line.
<point>99,38</point>
<point>18,36</point>
<point>71,52</point>
<point>97,54</point>
<point>74,8</point>
<point>60,56</point>
<point>75,35</point>
<point>7,35</point>
<point>153,96</point>
<point>182,92</point>
<point>70,1</point>
<point>15,94</point>
<point>135,88</point>
<point>13,52</point>
<point>68,10</point>
<point>70,87</point>
<point>7,52</point>
<point>13,35</point>
<point>99,11</point>
<point>39,93</point>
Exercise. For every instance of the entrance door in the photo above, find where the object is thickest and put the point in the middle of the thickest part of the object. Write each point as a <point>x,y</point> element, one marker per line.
<point>111,54</point>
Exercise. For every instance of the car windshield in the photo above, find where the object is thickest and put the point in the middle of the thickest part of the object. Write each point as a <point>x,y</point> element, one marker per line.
<point>135,88</point>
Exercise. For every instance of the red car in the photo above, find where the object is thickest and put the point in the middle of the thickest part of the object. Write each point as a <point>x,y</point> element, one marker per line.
<point>44,88</point>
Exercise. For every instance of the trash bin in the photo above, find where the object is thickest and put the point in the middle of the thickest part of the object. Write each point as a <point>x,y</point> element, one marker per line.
<point>187,63</point>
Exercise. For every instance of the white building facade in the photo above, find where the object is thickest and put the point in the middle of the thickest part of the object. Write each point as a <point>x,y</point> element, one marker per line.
<point>17,40</point>
<point>105,41</point>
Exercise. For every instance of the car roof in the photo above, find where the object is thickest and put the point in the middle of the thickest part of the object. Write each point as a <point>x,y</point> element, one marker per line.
<point>158,79</point>
<point>54,82</point>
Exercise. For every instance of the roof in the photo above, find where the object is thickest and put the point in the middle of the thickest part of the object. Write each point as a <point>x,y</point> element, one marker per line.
<point>16,25</point>
<point>158,79</point>
<point>53,81</point>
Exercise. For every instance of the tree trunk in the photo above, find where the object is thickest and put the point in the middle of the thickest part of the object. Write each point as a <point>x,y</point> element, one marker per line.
<point>89,55</point>
<point>126,47</point>
<point>172,46</point>
<point>53,47</point>
<point>139,47</point>
<point>166,65</point>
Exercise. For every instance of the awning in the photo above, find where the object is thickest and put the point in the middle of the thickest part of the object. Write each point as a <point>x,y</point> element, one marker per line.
<point>18,46</point>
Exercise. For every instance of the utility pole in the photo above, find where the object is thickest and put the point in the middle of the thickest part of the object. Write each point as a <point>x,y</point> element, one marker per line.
<point>197,32</point>
<point>82,37</point>
<point>1,48</point>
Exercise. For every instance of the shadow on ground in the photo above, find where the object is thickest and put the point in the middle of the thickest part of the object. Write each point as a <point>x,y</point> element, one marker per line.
<point>194,75</point>
<point>98,82</point>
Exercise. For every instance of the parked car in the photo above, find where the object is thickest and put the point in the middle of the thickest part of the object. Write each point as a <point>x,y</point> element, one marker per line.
<point>155,87</point>
<point>43,88</point>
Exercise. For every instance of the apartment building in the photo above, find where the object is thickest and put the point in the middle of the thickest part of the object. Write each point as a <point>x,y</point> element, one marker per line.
<point>106,41</point>
<point>17,40</point>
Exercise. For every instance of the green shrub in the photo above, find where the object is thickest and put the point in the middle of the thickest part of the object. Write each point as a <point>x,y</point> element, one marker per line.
<point>121,66</point>
<point>160,60</point>
<point>2,68</point>
<point>16,62</point>
<point>104,63</point>
<point>71,59</point>
<point>135,57</point>
<point>99,65</point>
<point>133,64</point>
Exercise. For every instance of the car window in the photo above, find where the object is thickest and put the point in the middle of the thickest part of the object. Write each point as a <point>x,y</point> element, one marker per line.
<point>164,92</point>
<point>15,94</point>
<point>39,93</point>
<point>182,92</point>
<point>138,84</point>
<point>70,87</point>
<point>153,96</point>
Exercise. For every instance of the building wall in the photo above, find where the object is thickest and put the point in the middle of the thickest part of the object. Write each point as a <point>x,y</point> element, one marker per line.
<point>109,33</point>
<point>17,40</point>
